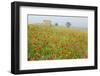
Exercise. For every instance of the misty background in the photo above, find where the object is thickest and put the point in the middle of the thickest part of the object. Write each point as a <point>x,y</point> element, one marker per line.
<point>76,21</point>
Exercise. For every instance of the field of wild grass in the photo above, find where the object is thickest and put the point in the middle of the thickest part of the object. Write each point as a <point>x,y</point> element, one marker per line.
<point>52,43</point>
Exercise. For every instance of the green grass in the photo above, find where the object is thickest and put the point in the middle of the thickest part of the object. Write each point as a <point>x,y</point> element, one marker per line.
<point>52,43</point>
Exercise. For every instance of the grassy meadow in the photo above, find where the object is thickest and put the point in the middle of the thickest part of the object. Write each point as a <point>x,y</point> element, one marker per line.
<point>56,43</point>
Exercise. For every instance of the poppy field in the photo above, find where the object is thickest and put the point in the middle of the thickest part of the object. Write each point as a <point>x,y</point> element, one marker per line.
<point>56,43</point>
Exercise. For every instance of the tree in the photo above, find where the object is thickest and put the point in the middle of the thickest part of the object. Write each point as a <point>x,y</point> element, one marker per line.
<point>56,24</point>
<point>68,24</point>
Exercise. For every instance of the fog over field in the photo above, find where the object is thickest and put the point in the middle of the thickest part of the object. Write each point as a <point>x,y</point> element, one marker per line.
<point>76,21</point>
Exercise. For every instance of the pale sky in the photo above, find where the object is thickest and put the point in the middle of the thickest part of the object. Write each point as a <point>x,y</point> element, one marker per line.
<point>76,21</point>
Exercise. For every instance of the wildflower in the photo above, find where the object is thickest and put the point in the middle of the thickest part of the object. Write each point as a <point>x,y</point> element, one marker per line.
<point>37,49</point>
<point>32,59</point>
<point>37,56</point>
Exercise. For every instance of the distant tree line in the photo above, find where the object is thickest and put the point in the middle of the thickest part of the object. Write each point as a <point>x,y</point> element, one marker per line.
<point>68,24</point>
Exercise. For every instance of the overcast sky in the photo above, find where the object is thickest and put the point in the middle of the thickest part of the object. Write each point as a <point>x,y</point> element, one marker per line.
<point>75,21</point>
